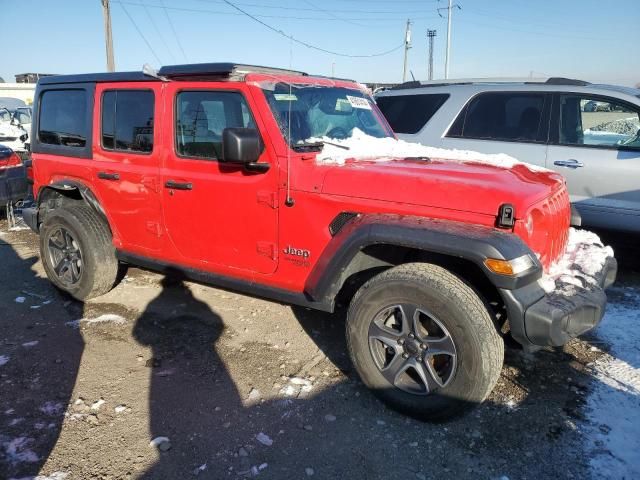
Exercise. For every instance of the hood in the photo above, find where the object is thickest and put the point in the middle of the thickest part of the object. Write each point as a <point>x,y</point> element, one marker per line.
<point>466,186</point>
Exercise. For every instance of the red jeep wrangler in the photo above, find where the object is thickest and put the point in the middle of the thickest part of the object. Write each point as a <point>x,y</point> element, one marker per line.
<point>213,170</point>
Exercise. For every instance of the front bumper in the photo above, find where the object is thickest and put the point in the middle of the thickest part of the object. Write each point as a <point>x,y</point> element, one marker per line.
<point>552,319</point>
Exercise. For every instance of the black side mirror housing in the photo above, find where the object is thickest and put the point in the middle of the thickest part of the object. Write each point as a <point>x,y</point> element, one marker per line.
<point>241,145</point>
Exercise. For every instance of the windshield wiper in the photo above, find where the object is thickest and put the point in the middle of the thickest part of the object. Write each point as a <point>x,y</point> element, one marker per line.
<point>306,146</point>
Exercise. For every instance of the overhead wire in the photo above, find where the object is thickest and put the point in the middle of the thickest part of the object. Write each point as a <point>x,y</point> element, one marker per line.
<point>306,44</point>
<point>164,8</point>
<point>155,26</point>
<point>140,32</point>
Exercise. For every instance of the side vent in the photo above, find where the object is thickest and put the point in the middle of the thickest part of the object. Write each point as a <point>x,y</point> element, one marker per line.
<point>340,221</point>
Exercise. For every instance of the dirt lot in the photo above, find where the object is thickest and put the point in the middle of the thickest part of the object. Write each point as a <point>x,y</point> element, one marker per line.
<point>243,387</point>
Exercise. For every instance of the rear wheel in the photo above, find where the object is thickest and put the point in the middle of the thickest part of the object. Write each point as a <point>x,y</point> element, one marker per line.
<point>423,341</point>
<point>77,252</point>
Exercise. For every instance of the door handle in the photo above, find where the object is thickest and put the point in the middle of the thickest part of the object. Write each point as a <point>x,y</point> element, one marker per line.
<point>108,176</point>
<point>568,163</point>
<point>173,185</point>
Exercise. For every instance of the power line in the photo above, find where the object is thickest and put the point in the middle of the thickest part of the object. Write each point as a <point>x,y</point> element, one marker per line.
<point>449,10</point>
<point>155,26</point>
<point>308,45</point>
<point>140,33</point>
<point>173,30</point>
<point>288,17</point>
<point>332,15</point>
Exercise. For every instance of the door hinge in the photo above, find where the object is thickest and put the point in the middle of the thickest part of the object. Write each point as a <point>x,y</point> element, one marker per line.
<point>266,249</point>
<point>268,198</point>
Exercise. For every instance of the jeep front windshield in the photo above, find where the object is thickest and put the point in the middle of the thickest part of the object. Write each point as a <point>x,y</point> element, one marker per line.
<point>307,114</point>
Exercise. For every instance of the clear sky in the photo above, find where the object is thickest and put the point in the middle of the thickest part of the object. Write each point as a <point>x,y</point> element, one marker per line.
<point>592,40</point>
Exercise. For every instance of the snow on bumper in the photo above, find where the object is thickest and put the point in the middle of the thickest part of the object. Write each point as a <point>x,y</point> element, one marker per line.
<point>574,299</point>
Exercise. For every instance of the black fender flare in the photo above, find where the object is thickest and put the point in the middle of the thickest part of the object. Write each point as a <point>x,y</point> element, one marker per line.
<point>69,186</point>
<point>470,242</point>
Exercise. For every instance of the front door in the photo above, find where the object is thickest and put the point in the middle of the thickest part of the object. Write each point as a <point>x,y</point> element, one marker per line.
<point>219,217</point>
<point>595,144</point>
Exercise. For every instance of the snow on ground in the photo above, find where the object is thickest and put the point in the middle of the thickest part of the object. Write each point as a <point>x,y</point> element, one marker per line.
<point>106,318</point>
<point>4,359</point>
<point>360,146</point>
<point>613,438</point>
<point>584,257</point>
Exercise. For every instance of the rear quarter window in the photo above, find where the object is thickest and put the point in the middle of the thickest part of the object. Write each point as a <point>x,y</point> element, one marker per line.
<point>63,118</point>
<point>409,113</point>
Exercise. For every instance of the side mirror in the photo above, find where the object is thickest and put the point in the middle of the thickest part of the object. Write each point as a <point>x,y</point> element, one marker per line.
<point>243,146</point>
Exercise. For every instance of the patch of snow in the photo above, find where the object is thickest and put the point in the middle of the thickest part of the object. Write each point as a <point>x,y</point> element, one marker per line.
<point>612,440</point>
<point>161,443</point>
<point>18,451</point>
<point>584,258</point>
<point>20,299</point>
<point>97,404</point>
<point>264,439</point>
<point>53,476</point>
<point>4,359</point>
<point>51,408</point>
<point>30,344</point>
<point>360,146</point>
<point>120,408</point>
<point>106,318</point>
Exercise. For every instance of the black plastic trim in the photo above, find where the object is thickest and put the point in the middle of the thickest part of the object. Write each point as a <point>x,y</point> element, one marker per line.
<point>471,242</point>
<point>229,283</point>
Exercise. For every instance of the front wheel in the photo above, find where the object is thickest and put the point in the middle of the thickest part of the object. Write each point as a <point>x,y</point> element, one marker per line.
<point>77,252</point>
<point>424,341</point>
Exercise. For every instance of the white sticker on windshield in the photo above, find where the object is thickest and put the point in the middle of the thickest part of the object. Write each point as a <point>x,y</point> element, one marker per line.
<point>359,102</point>
<point>285,97</point>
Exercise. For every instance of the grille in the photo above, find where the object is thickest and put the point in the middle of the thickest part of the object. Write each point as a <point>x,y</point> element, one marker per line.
<point>556,219</point>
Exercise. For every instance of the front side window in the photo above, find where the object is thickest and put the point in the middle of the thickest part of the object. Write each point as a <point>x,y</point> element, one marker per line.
<point>502,116</point>
<point>127,120</point>
<point>202,116</point>
<point>409,113</point>
<point>597,122</point>
<point>63,118</point>
<point>305,112</point>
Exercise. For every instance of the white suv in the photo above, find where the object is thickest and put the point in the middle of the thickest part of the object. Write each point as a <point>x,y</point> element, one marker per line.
<point>552,123</point>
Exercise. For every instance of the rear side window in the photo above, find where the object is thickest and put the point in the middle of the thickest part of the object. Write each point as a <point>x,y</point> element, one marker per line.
<point>127,120</point>
<point>63,119</point>
<point>202,116</point>
<point>409,113</point>
<point>502,116</point>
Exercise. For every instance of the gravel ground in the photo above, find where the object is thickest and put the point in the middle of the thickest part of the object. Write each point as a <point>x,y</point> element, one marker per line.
<point>231,386</point>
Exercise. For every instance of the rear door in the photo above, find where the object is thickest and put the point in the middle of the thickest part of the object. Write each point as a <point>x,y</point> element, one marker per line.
<point>126,162</point>
<point>595,145</point>
<point>218,216</point>
<point>514,123</point>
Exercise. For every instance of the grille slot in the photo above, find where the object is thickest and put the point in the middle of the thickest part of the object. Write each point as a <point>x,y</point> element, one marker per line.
<point>340,221</point>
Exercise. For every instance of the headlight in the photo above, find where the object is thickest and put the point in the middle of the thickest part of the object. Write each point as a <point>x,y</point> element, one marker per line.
<point>510,267</point>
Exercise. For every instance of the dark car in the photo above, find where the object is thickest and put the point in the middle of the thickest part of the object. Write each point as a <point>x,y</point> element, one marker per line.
<point>14,185</point>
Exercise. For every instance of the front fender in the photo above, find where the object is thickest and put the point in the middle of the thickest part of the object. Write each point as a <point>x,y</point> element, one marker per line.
<point>470,242</point>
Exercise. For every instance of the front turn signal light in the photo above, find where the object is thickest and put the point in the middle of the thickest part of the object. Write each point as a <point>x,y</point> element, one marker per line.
<point>510,267</point>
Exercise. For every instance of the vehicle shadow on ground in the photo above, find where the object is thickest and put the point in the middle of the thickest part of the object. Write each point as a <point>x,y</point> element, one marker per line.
<point>39,362</point>
<point>339,430</point>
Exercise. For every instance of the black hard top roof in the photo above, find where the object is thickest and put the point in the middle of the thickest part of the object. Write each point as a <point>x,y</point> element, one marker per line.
<point>194,71</point>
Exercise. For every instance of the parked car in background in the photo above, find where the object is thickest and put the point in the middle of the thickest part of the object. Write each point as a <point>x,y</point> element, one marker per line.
<point>14,185</point>
<point>589,133</point>
<point>15,123</point>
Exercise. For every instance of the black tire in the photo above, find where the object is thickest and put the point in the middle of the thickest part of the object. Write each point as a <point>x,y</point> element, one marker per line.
<point>94,257</point>
<point>466,373</point>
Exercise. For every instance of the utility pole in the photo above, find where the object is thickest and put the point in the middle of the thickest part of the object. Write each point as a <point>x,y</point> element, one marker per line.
<point>407,46</point>
<point>449,10</point>
<point>430,35</point>
<point>108,38</point>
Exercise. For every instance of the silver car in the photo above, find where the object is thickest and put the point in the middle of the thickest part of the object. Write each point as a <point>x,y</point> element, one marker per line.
<point>589,133</point>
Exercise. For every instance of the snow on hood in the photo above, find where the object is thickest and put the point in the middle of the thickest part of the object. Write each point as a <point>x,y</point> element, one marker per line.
<point>360,146</point>
<point>584,258</point>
